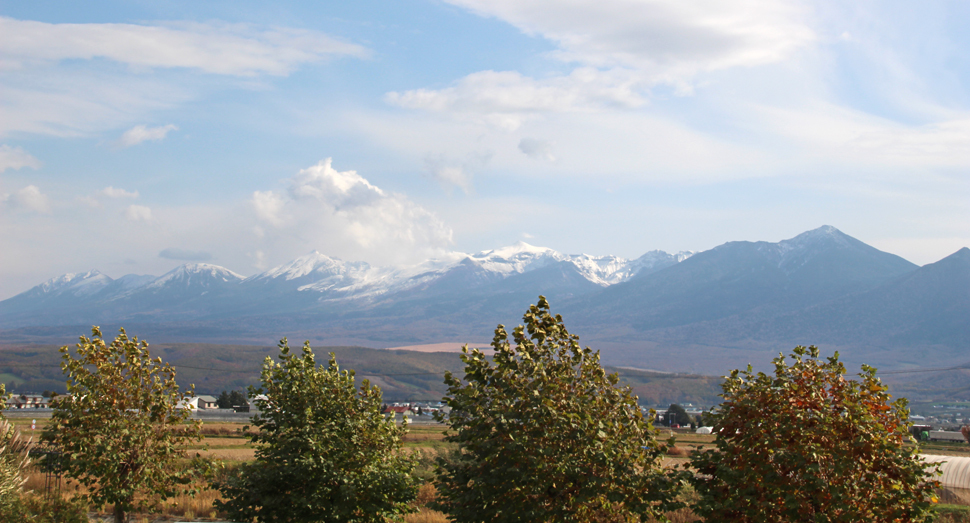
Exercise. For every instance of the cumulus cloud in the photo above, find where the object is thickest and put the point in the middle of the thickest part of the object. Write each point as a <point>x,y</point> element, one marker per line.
<point>268,206</point>
<point>342,212</point>
<point>30,198</point>
<point>219,48</point>
<point>142,133</point>
<point>138,213</point>
<point>112,192</point>
<point>16,158</point>
<point>173,253</point>
<point>538,149</point>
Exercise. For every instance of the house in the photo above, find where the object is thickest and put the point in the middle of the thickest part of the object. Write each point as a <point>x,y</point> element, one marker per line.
<point>206,402</point>
<point>28,401</point>
<point>202,402</point>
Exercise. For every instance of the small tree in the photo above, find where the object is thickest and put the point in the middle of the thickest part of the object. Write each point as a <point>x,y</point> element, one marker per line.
<point>809,445</point>
<point>121,429</point>
<point>546,435</point>
<point>324,451</point>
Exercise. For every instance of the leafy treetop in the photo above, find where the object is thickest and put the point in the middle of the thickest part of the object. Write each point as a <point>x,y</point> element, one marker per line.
<point>121,430</point>
<point>324,451</point>
<point>547,435</point>
<point>807,444</point>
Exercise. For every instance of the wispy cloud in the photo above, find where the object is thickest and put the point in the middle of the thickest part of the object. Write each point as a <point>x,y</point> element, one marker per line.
<point>142,133</point>
<point>622,48</point>
<point>16,158</point>
<point>112,192</point>
<point>538,149</point>
<point>173,253</point>
<point>668,39</point>
<point>138,213</point>
<point>61,79</point>
<point>218,48</point>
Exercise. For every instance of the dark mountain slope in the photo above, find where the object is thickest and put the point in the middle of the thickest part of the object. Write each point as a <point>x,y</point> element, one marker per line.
<point>738,277</point>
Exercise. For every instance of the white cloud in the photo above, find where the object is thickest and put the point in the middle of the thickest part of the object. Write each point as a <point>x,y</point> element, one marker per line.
<point>89,201</point>
<point>667,38</point>
<point>616,146</point>
<point>846,136</point>
<point>81,102</point>
<point>88,96</point>
<point>268,206</point>
<point>623,49</point>
<point>141,133</point>
<point>138,213</point>
<point>31,198</point>
<point>508,98</point>
<point>219,48</point>
<point>450,172</point>
<point>538,149</point>
<point>16,158</point>
<point>450,175</point>
<point>112,192</point>
<point>342,213</point>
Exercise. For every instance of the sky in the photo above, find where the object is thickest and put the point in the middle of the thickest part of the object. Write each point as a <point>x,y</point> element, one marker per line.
<point>136,136</point>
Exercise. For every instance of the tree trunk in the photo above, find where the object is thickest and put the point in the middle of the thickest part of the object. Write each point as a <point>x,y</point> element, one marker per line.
<point>120,515</point>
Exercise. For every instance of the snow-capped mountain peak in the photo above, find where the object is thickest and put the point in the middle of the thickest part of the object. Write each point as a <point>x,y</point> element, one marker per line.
<point>517,258</point>
<point>808,239</point>
<point>78,284</point>
<point>196,274</point>
<point>314,262</point>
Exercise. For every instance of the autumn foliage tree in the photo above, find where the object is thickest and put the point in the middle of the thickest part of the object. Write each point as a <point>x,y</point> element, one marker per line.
<point>545,434</point>
<point>807,444</point>
<point>324,451</point>
<point>121,432</point>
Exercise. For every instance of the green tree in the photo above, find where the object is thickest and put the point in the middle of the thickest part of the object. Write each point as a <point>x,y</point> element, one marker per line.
<point>121,428</point>
<point>546,435</point>
<point>228,400</point>
<point>807,444</point>
<point>677,415</point>
<point>324,451</point>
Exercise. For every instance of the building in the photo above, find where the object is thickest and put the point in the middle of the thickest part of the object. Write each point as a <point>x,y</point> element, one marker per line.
<point>28,401</point>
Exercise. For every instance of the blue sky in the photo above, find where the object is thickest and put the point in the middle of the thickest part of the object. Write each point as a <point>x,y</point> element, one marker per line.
<point>135,136</point>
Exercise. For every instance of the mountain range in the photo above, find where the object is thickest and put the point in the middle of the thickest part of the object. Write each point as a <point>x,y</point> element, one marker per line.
<point>700,312</point>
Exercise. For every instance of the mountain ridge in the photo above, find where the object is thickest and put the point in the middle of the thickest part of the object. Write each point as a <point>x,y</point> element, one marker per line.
<point>684,311</point>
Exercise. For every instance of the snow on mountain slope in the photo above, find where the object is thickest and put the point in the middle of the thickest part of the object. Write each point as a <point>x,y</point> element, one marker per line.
<point>195,274</point>
<point>76,284</point>
<point>321,278</point>
<point>601,270</point>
